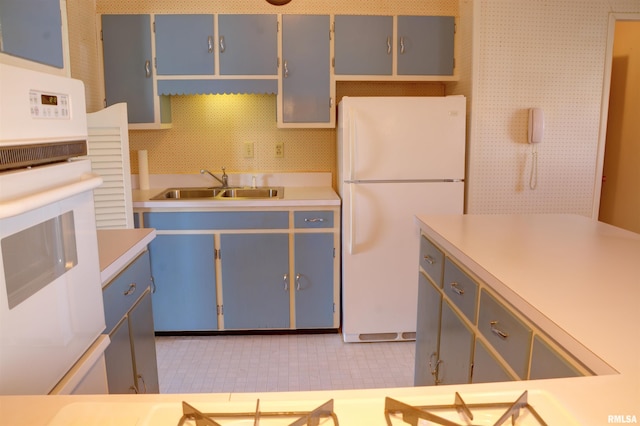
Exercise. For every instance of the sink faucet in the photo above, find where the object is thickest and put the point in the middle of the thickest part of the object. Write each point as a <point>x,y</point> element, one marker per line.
<point>224,181</point>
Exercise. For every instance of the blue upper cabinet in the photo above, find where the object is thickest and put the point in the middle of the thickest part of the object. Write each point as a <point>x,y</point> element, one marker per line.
<point>363,45</point>
<point>184,44</point>
<point>306,85</point>
<point>425,45</point>
<point>127,64</point>
<point>248,44</point>
<point>32,30</point>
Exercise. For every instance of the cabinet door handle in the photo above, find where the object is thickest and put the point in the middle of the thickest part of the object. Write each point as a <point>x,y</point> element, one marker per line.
<point>286,69</point>
<point>298,282</point>
<point>401,45</point>
<point>131,289</point>
<point>210,44</point>
<point>456,289</point>
<point>285,278</point>
<point>222,46</point>
<point>430,260</point>
<point>434,368</point>
<point>388,45</point>
<point>313,219</point>
<point>495,330</point>
<point>147,68</point>
<point>144,385</point>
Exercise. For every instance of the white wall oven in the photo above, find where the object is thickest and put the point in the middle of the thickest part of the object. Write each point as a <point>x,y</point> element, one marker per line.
<point>51,312</point>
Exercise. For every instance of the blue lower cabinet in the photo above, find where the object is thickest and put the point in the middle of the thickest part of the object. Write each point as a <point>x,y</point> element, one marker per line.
<point>183,268</point>
<point>313,280</point>
<point>255,280</point>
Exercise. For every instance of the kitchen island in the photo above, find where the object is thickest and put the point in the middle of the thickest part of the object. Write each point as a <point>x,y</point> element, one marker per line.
<point>581,276</point>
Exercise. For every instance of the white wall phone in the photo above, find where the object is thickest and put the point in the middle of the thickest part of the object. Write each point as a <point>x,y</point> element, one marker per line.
<point>536,125</point>
<point>536,131</point>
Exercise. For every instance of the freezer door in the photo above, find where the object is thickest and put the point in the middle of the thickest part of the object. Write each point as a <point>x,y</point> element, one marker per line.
<point>380,246</point>
<point>402,138</point>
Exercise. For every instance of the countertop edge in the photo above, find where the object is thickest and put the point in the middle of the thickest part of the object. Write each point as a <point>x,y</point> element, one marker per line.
<point>117,247</point>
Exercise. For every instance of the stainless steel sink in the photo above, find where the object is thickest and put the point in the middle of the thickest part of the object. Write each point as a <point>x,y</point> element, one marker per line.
<point>252,193</point>
<point>219,193</point>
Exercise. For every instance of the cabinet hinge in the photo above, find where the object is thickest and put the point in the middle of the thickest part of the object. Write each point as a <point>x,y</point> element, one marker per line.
<point>104,103</point>
<point>155,62</point>
<point>454,62</point>
<point>334,252</point>
<point>333,62</point>
<point>334,308</point>
<point>220,309</point>
<point>154,26</point>
<point>101,35</point>
<point>217,254</point>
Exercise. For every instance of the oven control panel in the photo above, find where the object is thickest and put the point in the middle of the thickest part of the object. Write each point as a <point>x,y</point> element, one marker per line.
<point>52,106</point>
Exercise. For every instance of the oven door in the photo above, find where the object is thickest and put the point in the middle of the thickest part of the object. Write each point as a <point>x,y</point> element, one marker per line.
<point>51,308</point>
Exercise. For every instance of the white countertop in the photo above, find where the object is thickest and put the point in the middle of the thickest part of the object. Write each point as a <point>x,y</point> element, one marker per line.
<point>293,197</point>
<point>118,247</point>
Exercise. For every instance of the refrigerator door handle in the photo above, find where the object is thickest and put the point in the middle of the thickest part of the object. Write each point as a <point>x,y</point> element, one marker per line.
<point>352,224</point>
<point>353,138</point>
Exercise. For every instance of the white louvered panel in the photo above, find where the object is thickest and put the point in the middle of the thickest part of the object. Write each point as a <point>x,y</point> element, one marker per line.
<point>109,153</point>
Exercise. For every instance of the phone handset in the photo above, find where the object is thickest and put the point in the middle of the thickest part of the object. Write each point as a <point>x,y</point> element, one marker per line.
<point>535,134</point>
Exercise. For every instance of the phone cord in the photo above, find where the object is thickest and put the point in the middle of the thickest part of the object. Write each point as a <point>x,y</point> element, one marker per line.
<point>533,179</point>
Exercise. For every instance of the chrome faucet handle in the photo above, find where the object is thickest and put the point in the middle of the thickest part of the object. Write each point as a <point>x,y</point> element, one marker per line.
<point>225,177</point>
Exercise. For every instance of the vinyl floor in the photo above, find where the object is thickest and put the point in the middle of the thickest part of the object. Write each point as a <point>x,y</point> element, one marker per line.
<point>270,363</point>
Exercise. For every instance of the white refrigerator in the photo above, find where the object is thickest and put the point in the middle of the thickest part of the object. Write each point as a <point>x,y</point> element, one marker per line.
<point>397,157</point>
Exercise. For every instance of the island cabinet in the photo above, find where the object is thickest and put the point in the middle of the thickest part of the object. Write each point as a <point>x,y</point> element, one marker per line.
<point>306,95</point>
<point>244,270</point>
<point>128,70</point>
<point>32,30</point>
<point>467,334</point>
<point>131,356</point>
<point>394,47</point>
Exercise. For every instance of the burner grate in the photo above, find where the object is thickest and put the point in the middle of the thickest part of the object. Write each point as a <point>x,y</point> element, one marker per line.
<point>417,415</point>
<point>290,418</point>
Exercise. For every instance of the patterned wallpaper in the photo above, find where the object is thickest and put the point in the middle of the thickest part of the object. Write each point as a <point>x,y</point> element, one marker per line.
<point>546,54</point>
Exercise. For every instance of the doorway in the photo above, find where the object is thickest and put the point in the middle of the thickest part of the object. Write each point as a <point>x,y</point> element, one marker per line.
<point>619,158</point>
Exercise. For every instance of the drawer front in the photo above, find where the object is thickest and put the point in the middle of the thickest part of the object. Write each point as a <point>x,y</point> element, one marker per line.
<point>546,363</point>
<point>506,333</point>
<point>123,291</point>
<point>313,219</point>
<point>461,289</point>
<point>217,220</point>
<point>431,260</point>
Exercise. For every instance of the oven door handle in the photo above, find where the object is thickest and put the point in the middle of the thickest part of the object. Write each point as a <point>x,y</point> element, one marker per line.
<point>20,205</point>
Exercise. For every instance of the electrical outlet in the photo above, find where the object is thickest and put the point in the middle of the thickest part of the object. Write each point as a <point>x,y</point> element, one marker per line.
<point>248,150</point>
<point>279,149</point>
